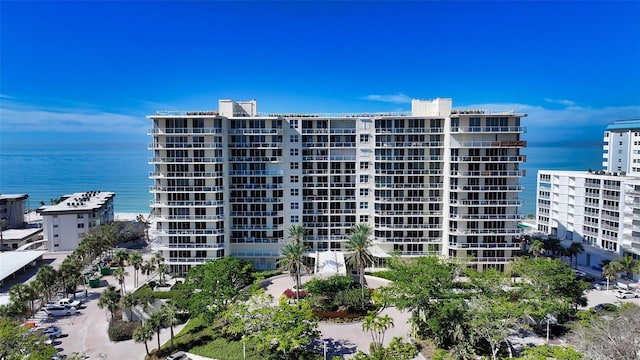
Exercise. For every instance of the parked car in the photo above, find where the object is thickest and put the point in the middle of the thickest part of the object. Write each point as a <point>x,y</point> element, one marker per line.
<point>605,307</point>
<point>75,303</point>
<point>53,331</point>
<point>626,294</point>
<point>180,355</point>
<point>60,311</point>
<point>601,285</point>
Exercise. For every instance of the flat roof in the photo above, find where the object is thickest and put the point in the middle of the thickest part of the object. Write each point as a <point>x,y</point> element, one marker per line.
<point>78,203</point>
<point>12,261</point>
<point>20,234</point>
<point>13,196</point>
<point>631,124</point>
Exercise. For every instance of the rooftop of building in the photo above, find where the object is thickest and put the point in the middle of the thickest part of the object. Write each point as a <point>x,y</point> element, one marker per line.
<point>630,124</point>
<point>13,261</point>
<point>20,234</point>
<point>14,197</point>
<point>76,202</point>
<point>588,173</point>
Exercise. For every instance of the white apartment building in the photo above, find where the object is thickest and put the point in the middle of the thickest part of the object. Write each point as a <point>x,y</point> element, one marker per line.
<point>65,222</point>
<point>434,181</point>
<point>621,149</point>
<point>12,207</point>
<point>598,209</point>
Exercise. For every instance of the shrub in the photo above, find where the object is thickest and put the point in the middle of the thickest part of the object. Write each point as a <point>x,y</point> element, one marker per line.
<point>121,330</point>
<point>292,294</point>
<point>351,299</point>
<point>329,286</point>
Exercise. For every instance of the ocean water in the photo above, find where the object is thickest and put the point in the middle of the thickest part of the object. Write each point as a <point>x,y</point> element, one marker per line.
<point>48,169</point>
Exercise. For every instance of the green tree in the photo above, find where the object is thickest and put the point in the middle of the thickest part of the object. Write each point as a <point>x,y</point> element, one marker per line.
<point>377,325</point>
<point>148,267</point>
<point>397,350</point>
<point>574,249</point>
<point>170,313</point>
<point>297,233</point>
<point>609,273</point>
<point>109,299</point>
<point>493,320</point>
<point>163,270</point>
<point>120,256</point>
<point>146,223</point>
<point>136,261</point>
<point>358,254</point>
<point>17,343</point>
<point>129,301</point>
<point>143,334</point>
<point>209,288</point>
<point>626,265</point>
<point>156,322</point>
<point>554,246</point>
<point>121,274</point>
<point>291,260</point>
<point>47,277</point>
<point>537,248</point>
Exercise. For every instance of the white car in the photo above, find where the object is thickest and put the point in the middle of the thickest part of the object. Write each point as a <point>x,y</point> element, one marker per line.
<point>60,310</point>
<point>68,302</point>
<point>626,294</point>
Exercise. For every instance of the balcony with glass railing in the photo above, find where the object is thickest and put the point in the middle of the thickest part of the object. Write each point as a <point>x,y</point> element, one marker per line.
<point>489,129</point>
<point>189,189</point>
<point>486,159</point>
<point>184,160</point>
<point>482,246</point>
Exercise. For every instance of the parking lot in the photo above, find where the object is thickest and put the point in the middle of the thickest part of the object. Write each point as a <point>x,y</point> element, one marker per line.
<point>595,297</point>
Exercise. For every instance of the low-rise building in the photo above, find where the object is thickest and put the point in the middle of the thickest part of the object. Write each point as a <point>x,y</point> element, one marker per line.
<point>13,239</point>
<point>65,222</point>
<point>12,210</point>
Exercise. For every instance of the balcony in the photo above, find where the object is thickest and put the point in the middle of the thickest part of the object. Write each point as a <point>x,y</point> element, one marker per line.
<point>409,172</point>
<point>189,217</point>
<point>425,144</point>
<point>481,246</point>
<point>255,254</point>
<point>486,159</point>
<point>236,200</point>
<point>254,131</point>
<point>255,186</point>
<point>249,227</point>
<point>516,231</point>
<point>500,260</point>
<point>271,145</point>
<point>256,159</point>
<point>183,160</point>
<point>488,144</point>
<point>409,186</point>
<point>463,217</point>
<point>408,199</point>
<point>158,204</point>
<point>163,131</point>
<point>410,130</point>
<point>489,129</point>
<point>408,158</point>
<point>189,232</point>
<point>485,202</point>
<point>183,175</point>
<point>256,213</point>
<point>432,240</point>
<point>189,189</point>
<point>254,240</point>
<point>488,188</point>
<point>190,260</point>
<point>189,246</point>
<point>508,173</point>
<point>166,146</point>
<point>256,173</point>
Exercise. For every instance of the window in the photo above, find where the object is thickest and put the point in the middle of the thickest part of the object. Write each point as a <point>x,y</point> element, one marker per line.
<point>364,192</point>
<point>364,165</point>
<point>293,152</point>
<point>364,218</point>
<point>294,179</point>
<point>364,178</point>
<point>295,206</point>
<point>293,124</point>
<point>364,138</point>
<point>295,219</point>
<point>293,166</point>
<point>364,205</point>
<point>293,138</point>
<point>80,226</point>
<point>80,216</point>
<point>55,226</point>
<point>295,192</point>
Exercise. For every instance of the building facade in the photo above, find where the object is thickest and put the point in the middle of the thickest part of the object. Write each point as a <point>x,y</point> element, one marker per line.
<point>435,181</point>
<point>621,149</point>
<point>12,207</point>
<point>66,222</point>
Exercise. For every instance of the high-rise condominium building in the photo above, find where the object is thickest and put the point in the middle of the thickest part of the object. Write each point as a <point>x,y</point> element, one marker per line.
<point>599,209</point>
<point>621,149</point>
<point>434,181</point>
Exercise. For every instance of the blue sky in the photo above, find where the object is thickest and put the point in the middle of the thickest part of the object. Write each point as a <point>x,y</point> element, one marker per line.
<point>100,67</point>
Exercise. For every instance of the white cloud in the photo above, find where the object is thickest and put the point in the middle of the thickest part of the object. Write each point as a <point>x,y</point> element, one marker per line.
<point>398,98</point>
<point>572,124</point>
<point>561,102</point>
<point>23,117</point>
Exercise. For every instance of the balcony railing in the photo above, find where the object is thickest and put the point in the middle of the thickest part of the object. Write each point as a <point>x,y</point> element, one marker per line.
<point>487,188</point>
<point>256,213</point>
<point>512,173</point>
<point>409,158</point>
<point>162,131</point>
<point>409,130</point>
<point>512,246</point>
<point>485,159</point>
<point>255,254</point>
<point>160,146</point>
<point>186,188</point>
<point>190,246</point>
<point>168,175</point>
<point>190,260</point>
<point>423,144</point>
<point>489,129</point>
<point>515,231</point>
<point>154,203</point>
<point>173,160</point>
<point>486,202</point>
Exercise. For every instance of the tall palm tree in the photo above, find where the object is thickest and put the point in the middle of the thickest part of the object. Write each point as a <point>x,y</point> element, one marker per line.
<point>297,233</point>
<point>170,313</point>
<point>537,248</point>
<point>163,269</point>
<point>290,260</point>
<point>627,265</point>
<point>47,277</point>
<point>19,293</point>
<point>143,334</point>
<point>574,249</point>
<point>129,301</point>
<point>148,267</point>
<point>120,256</point>
<point>136,261</point>
<point>156,322</point>
<point>34,292</point>
<point>358,255</point>
<point>109,299</point>
<point>609,272</point>
<point>121,274</point>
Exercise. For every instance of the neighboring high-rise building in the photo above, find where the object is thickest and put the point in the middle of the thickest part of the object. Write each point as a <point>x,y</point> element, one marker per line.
<point>434,181</point>
<point>600,209</point>
<point>621,149</point>
<point>65,222</point>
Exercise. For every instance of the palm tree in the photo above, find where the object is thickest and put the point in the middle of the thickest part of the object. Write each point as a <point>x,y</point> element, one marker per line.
<point>358,255</point>
<point>120,256</point>
<point>136,261</point>
<point>120,274</point>
<point>290,260</point>
<point>109,299</point>
<point>129,301</point>
<point>609,273</point>
<point>147,267</point>
<point>554,246</point>
<point>34,292</point>
<point>156,322</point>
<point>537,248</point>
<point>163,269</point>
<point>146,223</point>
<point>627,265</point>
<point>143,334</point>
<point>19,293</point>
<point>297,233</point>
<point>47,277</point>
<point>574,249</point>
<point>170,313</point>
<point>377,325</point>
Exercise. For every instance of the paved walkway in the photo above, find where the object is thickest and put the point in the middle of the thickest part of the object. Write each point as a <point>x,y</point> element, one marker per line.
<point>346,339</point>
